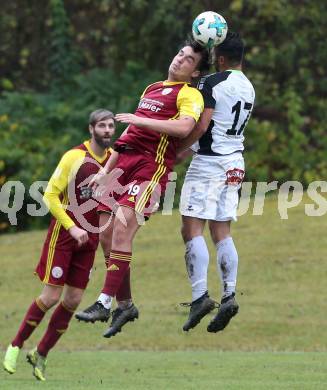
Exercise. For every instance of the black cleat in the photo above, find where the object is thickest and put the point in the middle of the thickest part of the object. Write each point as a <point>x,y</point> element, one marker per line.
<point>227,310</point>
<point>120,318</point>
<point>95,312</point>
<point>199,308</point>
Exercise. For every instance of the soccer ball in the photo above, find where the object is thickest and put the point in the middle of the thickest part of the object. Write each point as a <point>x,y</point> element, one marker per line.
<point>209,29</point>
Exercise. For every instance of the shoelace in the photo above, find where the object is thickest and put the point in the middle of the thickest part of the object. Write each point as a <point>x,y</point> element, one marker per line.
<point>116,313</point>
<point>94,307</point>
<point>188,304</point>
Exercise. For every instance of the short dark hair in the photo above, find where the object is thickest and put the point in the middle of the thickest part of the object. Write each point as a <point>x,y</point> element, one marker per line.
<point>99,115</point>
<point>204,63</point>
<point>232,48</point>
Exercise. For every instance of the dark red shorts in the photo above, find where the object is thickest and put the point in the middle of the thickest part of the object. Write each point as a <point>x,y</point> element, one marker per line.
<point>136,182</point>
<point>59,266</point>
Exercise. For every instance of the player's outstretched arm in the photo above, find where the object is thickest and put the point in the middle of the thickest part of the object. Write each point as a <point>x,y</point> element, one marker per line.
<point>110,164</point>
<point>179,128</point>
<point>198,131</point>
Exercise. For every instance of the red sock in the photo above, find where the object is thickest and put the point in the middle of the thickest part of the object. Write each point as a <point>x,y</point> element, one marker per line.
<point>117,268</point>
<point>33,317</point>
<point>124,291</point>
<point>58,325</point>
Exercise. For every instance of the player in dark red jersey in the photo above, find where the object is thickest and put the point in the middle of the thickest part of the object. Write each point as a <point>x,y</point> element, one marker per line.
<point>145,155</point>
<point>72,239</point>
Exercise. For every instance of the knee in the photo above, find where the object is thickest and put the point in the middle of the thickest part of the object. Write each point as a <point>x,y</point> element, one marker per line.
<point>124,229</point>
<point>219,231</point>
<point>72,302</point>
<point>49,300</point>
<point>121,236</point>
<point>188,232</point>
<point>191,227</point>
<point>73,299</point>
<point>184,234</point>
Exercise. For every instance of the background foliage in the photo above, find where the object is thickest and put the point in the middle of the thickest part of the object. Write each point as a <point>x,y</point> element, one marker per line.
<point>59,60</point>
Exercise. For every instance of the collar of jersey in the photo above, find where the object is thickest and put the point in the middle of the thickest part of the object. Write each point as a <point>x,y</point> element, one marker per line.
<point>95,156</point>
<point>166,83</point>
<point>234,70</point>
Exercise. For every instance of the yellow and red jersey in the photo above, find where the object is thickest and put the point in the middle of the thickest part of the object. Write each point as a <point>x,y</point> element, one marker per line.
<point>68,191</point>
<point>162,100</point>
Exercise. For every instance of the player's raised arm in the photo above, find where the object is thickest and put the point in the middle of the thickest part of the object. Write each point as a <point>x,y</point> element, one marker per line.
<point>189,104</point>
<point>99,177</point>
<point>179,128</point>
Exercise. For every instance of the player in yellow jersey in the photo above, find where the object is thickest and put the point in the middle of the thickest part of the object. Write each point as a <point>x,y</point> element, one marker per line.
<point>69,249</point>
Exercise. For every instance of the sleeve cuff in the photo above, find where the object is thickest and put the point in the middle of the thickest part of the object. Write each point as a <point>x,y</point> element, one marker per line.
<point>69,225</point>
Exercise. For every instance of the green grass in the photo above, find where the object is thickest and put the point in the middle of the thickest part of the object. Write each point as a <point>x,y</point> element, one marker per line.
<point>198,370</point>
<point>281,282</point>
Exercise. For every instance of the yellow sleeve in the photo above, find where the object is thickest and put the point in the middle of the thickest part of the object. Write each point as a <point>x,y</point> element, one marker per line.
<point>190,102</point>
<point>63,174</point>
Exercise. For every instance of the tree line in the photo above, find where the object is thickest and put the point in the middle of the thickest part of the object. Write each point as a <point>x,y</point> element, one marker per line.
<point>59,60</point>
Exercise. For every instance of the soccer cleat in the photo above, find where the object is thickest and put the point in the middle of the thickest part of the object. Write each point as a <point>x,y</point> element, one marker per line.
<point>199,308</point>
<point>10,360</point>
<point>38,362</point>
<point>120,318</point>
<point>227,310</point>
<point>95,312</point>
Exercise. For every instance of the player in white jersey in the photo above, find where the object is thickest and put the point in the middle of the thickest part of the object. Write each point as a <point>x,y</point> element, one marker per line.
<point>210,190</point>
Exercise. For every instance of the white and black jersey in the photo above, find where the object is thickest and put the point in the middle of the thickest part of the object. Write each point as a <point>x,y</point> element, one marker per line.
<point>231,95</point>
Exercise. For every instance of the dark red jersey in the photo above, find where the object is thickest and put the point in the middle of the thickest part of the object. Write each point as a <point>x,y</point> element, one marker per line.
<point>70,199</point>
<point>162,100</point>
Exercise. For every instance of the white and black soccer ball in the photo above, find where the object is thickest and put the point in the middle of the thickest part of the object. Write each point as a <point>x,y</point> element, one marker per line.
<point>209,29</point>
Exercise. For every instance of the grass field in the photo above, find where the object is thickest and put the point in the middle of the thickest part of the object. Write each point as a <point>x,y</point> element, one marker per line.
<point>279,338</point>
<point>176,371</point>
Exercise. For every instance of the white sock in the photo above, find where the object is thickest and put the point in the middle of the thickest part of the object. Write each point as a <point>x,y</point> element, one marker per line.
<point>197,261</point>
<point>106,300</point>
<point>227,262</point>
